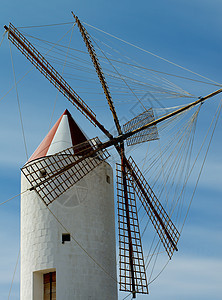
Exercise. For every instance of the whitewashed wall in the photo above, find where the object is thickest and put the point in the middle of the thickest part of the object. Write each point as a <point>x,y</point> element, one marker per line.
<point>87,211</point>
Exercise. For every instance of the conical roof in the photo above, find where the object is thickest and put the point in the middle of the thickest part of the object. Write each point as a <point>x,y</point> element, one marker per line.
<point>64,134</point>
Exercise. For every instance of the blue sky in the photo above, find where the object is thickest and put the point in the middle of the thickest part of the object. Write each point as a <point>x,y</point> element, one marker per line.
<point>185,32</point>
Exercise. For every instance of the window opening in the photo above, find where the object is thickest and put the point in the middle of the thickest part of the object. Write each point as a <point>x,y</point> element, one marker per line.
<point>108,178</point>
<point>66,237</point>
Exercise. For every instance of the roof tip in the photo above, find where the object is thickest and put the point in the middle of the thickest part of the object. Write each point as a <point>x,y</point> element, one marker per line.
<point>66,112</point>
<point>64,134</point>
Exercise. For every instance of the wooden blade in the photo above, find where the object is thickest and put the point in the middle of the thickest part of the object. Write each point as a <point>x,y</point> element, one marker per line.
<point>99,71</point>
<point>53,175</point>
<point>35,57</point>
<point>162,223</point>
<point>149,134</point>
<point>130,246</point>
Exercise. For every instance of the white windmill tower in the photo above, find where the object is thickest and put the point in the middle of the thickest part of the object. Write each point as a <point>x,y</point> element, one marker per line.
<point>61,258</point>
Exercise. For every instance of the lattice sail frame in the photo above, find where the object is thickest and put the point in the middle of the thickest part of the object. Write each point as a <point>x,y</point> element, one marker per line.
<point>149,134</point>
<point>39,61</point>
<point>53,175</point>
<point>139,271</point>
<point>162,223</point>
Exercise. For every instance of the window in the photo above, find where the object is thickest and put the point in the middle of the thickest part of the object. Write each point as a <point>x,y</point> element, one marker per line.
<point>66,237</point>
<point>107,179</point>
<point>49,282</point>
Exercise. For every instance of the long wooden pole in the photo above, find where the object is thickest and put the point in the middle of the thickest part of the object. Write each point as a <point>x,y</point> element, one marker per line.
<point>176,112</point>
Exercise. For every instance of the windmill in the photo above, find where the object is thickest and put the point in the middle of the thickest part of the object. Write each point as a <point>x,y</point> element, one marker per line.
<point>130,180</point>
